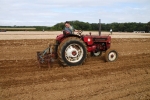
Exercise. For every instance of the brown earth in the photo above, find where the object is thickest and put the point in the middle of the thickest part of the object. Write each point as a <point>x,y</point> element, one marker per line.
<point>128,78</point>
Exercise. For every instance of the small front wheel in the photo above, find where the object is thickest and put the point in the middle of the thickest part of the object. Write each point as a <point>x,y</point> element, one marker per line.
<point>111,55</point>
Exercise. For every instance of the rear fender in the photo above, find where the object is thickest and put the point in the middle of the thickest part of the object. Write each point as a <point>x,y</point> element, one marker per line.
<point>61,37</point>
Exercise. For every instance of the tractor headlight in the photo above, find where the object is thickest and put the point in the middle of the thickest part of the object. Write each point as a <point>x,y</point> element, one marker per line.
<point>109,42</point>
<point>89,39</point>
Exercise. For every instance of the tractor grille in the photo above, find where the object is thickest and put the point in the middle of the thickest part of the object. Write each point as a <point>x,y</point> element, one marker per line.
<point>99,39</point>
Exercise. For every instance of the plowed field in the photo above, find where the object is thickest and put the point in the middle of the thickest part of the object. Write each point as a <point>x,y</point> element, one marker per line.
<point>128,78</point>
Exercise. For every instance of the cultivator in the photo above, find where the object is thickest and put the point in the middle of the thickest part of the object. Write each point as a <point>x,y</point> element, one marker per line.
<point>46,56</point>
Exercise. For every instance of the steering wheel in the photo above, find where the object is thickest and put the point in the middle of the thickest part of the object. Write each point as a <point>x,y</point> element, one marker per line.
<point>80,32</point>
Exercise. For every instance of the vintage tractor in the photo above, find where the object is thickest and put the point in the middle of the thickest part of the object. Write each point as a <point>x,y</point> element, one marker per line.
<point>72,49</point>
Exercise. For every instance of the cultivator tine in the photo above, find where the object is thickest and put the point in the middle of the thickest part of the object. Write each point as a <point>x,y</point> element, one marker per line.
<point>50,52</point>
<point>38,59</point>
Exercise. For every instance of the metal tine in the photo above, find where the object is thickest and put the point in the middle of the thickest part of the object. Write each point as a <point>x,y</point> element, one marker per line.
<point>51,50</point>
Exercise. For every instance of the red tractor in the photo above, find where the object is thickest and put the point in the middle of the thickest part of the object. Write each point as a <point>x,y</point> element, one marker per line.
<point>71,49</point>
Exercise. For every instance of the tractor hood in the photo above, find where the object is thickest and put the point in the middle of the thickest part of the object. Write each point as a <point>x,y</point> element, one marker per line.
<point>90,39</point>
<point>98,38</point>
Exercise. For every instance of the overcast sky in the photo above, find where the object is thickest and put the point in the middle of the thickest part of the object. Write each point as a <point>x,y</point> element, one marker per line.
<point>50,12</point>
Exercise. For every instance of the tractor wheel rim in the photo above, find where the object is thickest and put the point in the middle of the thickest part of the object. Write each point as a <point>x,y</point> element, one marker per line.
<point>97,53</point>
<point>74,53</point>
<point>112,56</point>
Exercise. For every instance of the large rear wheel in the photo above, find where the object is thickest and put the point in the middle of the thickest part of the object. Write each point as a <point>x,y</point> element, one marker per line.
<point>72,51</point>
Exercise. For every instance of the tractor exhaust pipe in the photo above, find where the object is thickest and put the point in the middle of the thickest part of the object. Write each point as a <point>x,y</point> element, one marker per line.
<point>99,27</point>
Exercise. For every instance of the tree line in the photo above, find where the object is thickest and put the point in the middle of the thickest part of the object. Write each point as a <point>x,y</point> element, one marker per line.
<point>116,27</point>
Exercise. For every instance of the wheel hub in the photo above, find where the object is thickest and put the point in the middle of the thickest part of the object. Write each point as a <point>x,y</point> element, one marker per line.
<point>72,52</point>
<point>112,56</point>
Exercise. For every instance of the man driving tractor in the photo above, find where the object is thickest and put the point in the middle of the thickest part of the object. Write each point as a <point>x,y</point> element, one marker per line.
<point>72,49</point>
<point>70,29</point>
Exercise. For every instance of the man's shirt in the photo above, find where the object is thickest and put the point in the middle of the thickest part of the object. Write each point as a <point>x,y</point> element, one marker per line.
<point>70,29</point>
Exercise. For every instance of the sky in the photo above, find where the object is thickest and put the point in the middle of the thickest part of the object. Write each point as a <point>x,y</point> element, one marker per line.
<point>51,12</point>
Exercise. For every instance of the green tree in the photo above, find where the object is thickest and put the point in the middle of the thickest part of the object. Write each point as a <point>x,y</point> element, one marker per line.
<point>148,27</point>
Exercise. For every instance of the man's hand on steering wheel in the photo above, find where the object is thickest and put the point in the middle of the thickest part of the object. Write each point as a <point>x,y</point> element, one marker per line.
<point>79,32</point>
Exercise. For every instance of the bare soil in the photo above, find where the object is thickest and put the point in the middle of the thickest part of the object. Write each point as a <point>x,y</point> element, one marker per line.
<point>128,78</point>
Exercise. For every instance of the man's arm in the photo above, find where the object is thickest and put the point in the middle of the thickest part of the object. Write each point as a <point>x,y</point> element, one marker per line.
<point>77,30</point>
